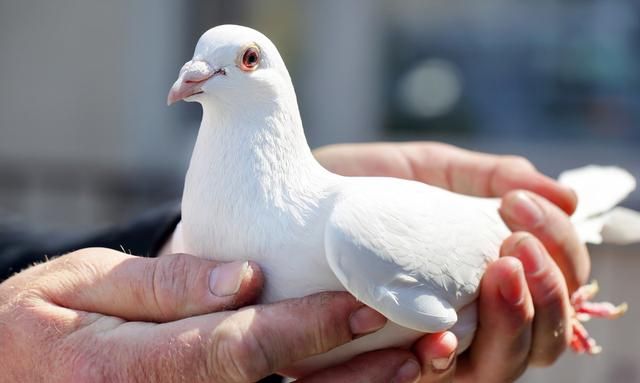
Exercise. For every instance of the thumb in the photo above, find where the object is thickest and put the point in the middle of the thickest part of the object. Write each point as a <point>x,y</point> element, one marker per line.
<point>148,289</point>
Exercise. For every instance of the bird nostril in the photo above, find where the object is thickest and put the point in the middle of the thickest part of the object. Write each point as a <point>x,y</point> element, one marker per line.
<point>198,77</point>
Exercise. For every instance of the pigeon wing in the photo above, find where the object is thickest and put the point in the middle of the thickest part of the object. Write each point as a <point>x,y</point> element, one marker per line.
<point>413,252</point>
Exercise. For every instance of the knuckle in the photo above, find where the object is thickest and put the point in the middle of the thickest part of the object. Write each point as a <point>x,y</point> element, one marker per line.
<point>327,332</point>
<point>69,269</point>
<point>169,279</point>
<point>327,323</point>
<point>550,293</point>
<point>338,301</point>
<point>516,162</point>
<point>81,254</point>
<point>239,354</point>
<point>80,261</point>
<point>502,173</point>
<point>521,319</point>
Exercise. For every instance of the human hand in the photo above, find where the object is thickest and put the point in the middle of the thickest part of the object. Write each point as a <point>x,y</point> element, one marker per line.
<point>508,329</point>
<point>98,315</point>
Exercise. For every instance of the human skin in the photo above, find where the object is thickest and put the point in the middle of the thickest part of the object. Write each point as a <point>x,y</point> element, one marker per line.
<point>98,315</point>
<point>101,315</point>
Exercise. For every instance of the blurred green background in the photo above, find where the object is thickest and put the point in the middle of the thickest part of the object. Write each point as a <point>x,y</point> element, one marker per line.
<point>86,139</point>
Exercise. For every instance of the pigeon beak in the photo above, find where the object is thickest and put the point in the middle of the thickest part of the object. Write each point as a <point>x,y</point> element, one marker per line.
<point>192,76</point>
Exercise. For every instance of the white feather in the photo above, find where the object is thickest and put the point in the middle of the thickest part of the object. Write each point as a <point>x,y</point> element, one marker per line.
<point>599,190</point>
<point>254,191</point>
<point>621,227</point>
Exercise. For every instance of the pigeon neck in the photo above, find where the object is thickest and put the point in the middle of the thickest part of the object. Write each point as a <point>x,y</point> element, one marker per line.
<point>258,147</point>
<point>251,178</point>
<point>270,129</point>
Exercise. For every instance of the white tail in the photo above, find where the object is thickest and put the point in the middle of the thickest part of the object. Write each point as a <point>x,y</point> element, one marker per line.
<point>597,218</point>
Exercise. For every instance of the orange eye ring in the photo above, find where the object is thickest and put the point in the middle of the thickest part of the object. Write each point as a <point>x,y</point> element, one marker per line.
<point>250,59</point>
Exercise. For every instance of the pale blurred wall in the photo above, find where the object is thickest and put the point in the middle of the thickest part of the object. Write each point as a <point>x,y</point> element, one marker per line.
<point>82,106</point>
<point>85,135</point>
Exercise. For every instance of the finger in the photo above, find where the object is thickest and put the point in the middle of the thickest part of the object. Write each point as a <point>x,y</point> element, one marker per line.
<point>146,289</point>
<point>383,366</point>
<point>370,159</point>
<point>481,174</point>
<point>524,211</point>
<point>552,323</point>
<point>248,344</point>
<point>437,355</point>
<point>501,345</point>
<point>446,166</point>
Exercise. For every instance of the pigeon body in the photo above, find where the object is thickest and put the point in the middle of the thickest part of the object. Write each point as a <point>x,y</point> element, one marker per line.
<point>414,252</point>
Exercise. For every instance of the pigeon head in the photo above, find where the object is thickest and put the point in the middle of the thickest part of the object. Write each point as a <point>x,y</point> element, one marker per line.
<point>232,64</point>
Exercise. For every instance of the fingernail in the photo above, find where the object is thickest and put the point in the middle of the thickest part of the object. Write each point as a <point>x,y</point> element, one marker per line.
<point>531,255</point>
<point>440,365</point>
<point>511,287</point>
<point>226,278</point>
<point>409,372</point>
<point>525,211</point>
<point>366,320</point>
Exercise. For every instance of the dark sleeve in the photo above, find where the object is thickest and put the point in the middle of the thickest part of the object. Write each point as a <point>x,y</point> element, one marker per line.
<point>143,236</point>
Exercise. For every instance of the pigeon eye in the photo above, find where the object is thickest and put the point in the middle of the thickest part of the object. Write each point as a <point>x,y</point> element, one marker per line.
<point>250,59</point>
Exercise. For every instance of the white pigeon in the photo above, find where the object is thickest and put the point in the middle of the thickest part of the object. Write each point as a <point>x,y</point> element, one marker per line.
<point>414,252</point>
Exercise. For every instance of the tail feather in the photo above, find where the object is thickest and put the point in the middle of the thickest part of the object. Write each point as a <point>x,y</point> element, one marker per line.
<point>599,190</point>
<point>621,227</point>
<point>590,230</point>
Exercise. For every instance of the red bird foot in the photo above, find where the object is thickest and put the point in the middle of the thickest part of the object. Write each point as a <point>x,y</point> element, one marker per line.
<point>584,310</point>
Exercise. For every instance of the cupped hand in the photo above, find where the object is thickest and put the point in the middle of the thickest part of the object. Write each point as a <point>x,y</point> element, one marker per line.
<point>524,310</point>
<point>98,315</point>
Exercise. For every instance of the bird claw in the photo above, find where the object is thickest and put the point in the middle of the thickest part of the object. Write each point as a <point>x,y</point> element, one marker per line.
<point>581,342</point>
<point>604,310</point>
<point>584,293</point>
<point>584,310</point>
